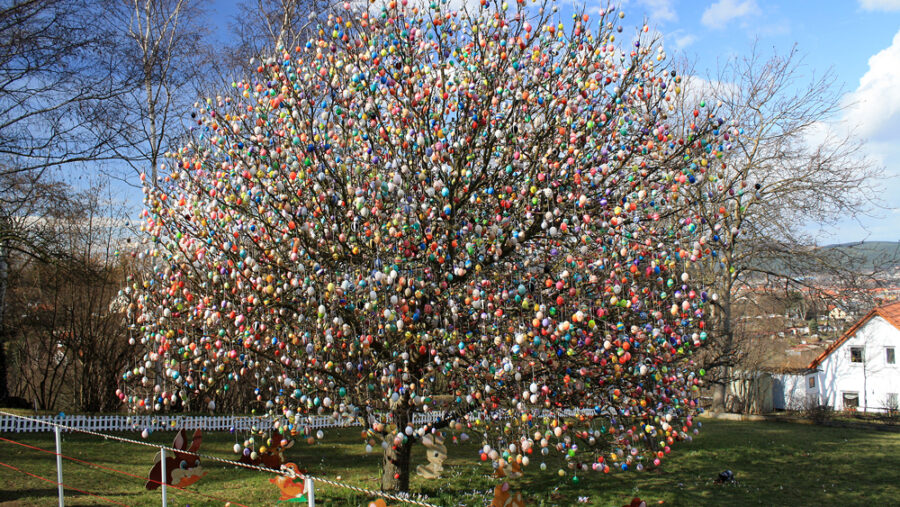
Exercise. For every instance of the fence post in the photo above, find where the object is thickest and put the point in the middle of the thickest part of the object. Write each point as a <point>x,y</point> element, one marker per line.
<point>59,465</point>
<point>162,461</point>
<point>310,491</point>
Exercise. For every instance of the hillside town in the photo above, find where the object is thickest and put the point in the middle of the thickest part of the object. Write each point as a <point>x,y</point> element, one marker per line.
<point>788,333</point>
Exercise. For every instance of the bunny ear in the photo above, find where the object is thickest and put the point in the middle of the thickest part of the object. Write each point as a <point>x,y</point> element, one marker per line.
<point>155,476</point>
<point>180,440</point>
<point>195,442</point>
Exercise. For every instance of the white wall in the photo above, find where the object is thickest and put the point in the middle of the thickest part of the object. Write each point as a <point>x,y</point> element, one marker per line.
<point>789,391</point>
<point>873,379</point>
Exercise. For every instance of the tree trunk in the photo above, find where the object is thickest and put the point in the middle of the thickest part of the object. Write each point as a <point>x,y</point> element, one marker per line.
<point>4,278</point>
<point>726,337</point>
<point>395,462</point>
<point>718,398</point>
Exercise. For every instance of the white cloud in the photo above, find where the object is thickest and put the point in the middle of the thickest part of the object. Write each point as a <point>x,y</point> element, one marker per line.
<point>880,5</point>
<point>873,113</point>
<point>678,39</point>
<point>660,10</point>
<point>683,41</point>
<point>720,13</point>
<point>873,109</point>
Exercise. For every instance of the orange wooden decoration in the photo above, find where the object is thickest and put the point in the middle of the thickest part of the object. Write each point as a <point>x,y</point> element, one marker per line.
<point>505,497</point>
<point>290,490</point>
<point>181,470</point>
<point>272,458</point>
<point>515,470</point>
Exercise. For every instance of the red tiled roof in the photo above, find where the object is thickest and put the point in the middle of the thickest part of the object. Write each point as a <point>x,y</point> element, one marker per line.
<point>890,313</point>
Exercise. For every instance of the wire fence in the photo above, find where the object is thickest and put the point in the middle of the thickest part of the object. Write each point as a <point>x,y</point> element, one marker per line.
<point>55,424</point>
<point>96,425</point>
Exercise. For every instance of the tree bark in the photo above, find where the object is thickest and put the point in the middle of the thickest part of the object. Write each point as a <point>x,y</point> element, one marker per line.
<point>718,398</point>
<point>395,462</point>
<point>4,278</point>
<point>720,389</point>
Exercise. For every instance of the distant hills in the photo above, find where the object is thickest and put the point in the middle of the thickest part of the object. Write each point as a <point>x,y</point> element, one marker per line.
<point>869,254</point>
<point>864,257</point>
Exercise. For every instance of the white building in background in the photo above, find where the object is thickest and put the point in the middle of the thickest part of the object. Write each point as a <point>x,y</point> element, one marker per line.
<point>859,371</point>
<point>838,313</point>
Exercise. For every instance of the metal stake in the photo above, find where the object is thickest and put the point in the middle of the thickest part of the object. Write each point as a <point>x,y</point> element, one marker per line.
<point>59,465</point>
<point>162,461</point>
<point>310,492</point>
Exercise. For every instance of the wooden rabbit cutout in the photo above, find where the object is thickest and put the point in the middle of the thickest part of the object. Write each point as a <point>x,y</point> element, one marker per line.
<point>183,469</point>
<point>273,457</point>
<point>504,496</point>
<point>436,454</point>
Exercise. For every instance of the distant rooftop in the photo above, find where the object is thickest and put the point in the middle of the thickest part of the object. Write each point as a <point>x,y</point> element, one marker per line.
<point>889,312</point>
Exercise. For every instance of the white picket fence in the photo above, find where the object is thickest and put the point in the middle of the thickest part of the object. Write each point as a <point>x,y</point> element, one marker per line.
<point>102,423</point>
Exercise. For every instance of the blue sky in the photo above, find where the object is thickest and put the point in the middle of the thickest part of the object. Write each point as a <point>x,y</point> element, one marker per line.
<point>859,40</point>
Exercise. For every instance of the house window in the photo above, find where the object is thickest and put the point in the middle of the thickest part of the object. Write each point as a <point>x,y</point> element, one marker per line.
<point>851,400</point>
<point>856,354</point>
<point>890,357</point>
<point>811,382</point>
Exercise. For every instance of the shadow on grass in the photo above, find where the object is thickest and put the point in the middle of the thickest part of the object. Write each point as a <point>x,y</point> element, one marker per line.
<point>774,464</point>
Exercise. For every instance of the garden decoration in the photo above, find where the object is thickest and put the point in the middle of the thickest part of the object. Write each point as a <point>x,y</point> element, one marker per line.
<point>485,206</point>
<point>435,453</point>
<point>182,469</point>
<point>290,491</point>
<point>515,470</point>
<point>270,456</point>
<point>504,496</point>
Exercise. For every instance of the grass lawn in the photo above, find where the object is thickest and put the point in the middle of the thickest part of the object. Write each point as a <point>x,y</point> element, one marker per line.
<point>774,463</point>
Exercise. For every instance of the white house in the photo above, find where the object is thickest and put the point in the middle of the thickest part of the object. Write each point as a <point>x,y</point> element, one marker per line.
<point>859,371</point>
<point>837,313</point>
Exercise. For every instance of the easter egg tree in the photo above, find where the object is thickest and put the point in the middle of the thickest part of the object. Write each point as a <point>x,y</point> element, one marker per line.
<point>478,211</point>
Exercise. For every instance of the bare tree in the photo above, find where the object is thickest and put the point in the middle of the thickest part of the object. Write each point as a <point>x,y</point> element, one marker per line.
<point>97,339</point>
<point>54,82</point>
<point>263,25</point>
<point>786,175</point>
<point>57,79</point>
<point>68,340</point>
<point>38,347</point>
<point>31,207</point>
<point>160,47</point>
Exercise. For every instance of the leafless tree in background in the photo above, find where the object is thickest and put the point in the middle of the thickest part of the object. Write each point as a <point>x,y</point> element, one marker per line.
<point>67,338</point>
<point>56,80</point>
<point>54,83</point>
<point>159,46</point>
<point>31,229</point>
<point>265,24</point>
<point>84,85</point>
<point>786,175</point>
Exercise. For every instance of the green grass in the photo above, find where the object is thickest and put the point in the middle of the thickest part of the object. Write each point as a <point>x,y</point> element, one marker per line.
<point>774,463</point>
